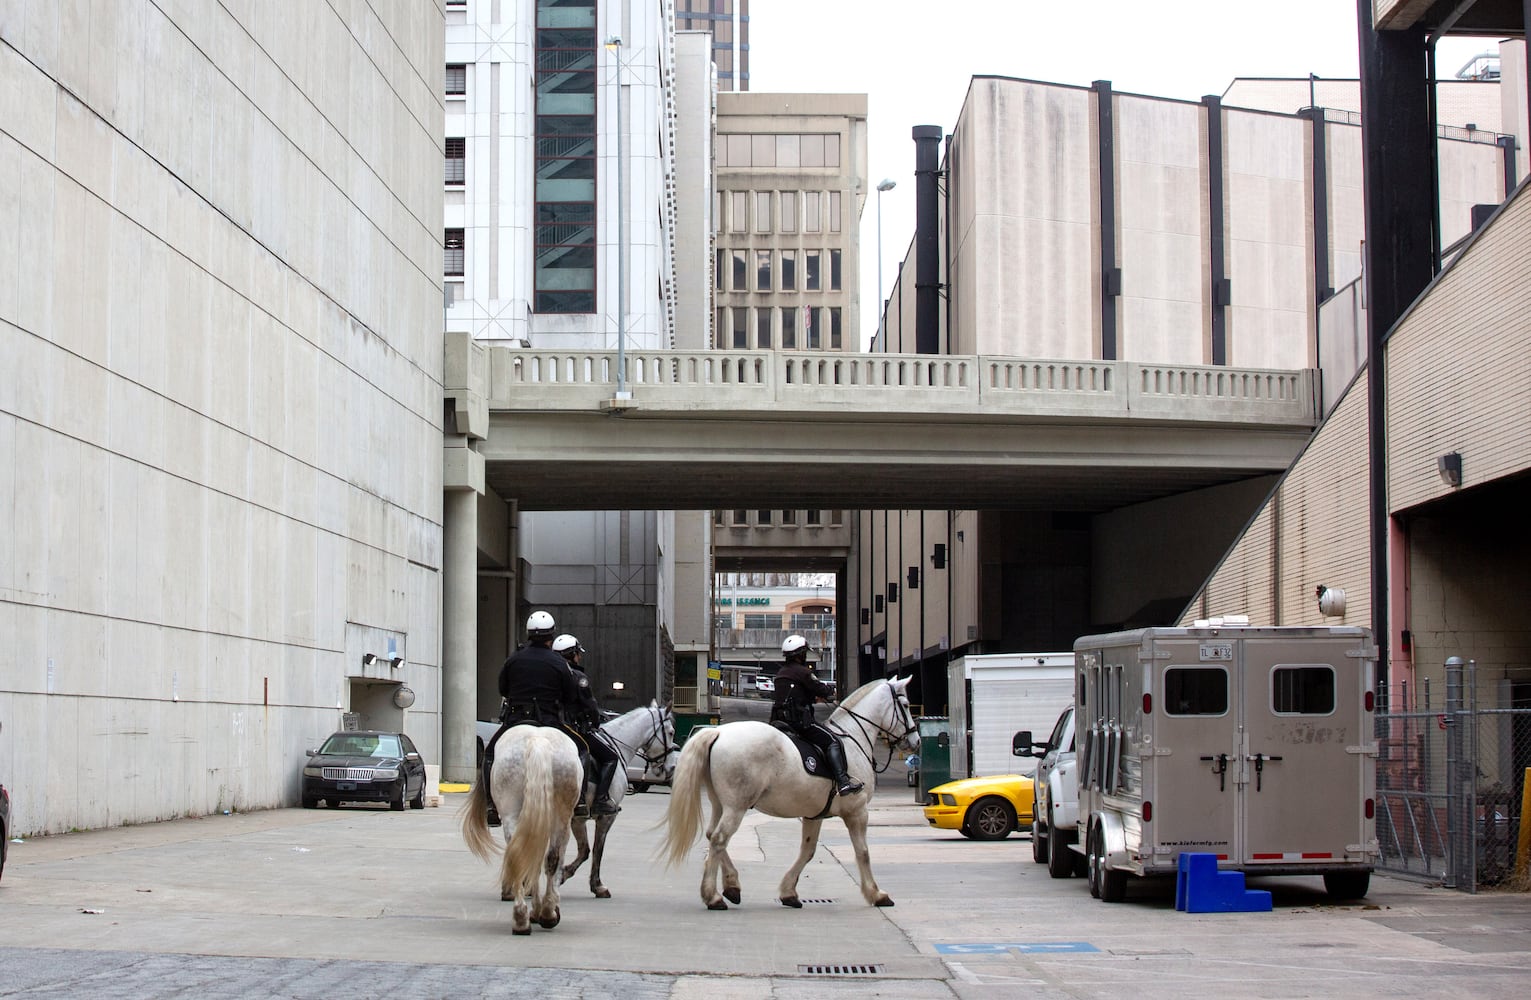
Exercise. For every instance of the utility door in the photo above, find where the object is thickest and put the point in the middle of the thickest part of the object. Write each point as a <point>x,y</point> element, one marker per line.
<point>1305,789</point>
<point>1196,749</point>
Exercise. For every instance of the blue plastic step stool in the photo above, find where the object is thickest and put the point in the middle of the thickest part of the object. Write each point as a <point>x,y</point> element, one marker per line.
<point>1201,888</point>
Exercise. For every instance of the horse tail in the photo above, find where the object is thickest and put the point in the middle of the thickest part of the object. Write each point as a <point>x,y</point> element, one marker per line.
<point>684,815</point>
<point>475,822</point>
<point>538,819</point>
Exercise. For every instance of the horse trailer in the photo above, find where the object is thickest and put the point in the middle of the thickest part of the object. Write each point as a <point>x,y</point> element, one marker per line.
<point>1255,745</point>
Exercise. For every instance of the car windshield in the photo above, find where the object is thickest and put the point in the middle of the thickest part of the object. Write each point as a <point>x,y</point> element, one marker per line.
<point>362,745</point>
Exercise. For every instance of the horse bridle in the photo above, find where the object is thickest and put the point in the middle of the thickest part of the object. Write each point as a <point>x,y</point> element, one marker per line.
<point>658,717</point>
<point>885,734</point>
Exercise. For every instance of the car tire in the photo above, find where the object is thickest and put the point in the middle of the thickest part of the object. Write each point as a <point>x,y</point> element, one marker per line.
<point>1039,836</point>
<point>990,818</point>
<point>332,803</point>
<point>1347,885</point>
<point>1060,863</point>
<point>396,804</point>
<point>310,803</point>
<point>418,802</point>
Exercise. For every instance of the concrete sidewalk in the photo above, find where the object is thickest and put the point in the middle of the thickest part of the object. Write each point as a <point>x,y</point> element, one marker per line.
<point>295,902</point>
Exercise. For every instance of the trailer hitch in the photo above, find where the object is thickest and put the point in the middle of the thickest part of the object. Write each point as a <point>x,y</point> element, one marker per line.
<point>1221,770</point>
<point>1260,760</point>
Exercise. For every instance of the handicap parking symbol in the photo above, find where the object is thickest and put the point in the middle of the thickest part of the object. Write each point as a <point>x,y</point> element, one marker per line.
<point>1021,947</point>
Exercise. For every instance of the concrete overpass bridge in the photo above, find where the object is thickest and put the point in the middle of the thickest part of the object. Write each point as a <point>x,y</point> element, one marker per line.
<point>699,430</point>
<point>719,429</point>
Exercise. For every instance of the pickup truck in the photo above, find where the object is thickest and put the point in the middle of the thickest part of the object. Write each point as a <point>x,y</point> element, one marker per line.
<point>1055,802</point>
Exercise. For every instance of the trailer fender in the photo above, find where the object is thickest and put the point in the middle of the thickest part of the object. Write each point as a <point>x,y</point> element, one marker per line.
<point>1113,838</point>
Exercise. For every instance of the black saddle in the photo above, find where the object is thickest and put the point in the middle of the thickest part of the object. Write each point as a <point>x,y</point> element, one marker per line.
<point>814,760</point>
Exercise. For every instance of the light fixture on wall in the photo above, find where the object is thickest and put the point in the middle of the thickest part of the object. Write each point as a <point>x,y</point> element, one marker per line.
<point>1331,601</point>
<point>367,659</point>
<point>1449,467</point>
<point>617,685</point>
<point>396,662</point>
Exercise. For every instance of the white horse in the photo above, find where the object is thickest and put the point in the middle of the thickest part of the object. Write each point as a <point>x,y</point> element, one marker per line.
<point>536,780</point>
<point>745,765</point>
<point>646,732</point>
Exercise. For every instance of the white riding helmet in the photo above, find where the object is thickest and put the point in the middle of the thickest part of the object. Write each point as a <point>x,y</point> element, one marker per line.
<point>540,625</point>
<point>795,645</point>
<point>567,645</point>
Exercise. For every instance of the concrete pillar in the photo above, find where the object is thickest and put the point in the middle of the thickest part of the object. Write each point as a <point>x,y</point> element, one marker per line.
<point>459,635</point>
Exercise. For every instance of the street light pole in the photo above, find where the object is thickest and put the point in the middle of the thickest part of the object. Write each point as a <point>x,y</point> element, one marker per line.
<point>614,44</point>
<point>886,184</point>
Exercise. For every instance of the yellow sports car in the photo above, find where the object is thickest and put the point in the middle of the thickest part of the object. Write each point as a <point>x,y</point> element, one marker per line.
<point>981,808</point>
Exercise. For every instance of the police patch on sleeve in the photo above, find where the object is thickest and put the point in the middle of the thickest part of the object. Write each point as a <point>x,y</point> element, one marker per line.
<point>584,682</point>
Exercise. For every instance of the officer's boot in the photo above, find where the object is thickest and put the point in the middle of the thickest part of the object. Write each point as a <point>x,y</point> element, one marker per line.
<point>589,777</point>
<point>845,784</point>
<point>494,816</point>
<point>603,805</point>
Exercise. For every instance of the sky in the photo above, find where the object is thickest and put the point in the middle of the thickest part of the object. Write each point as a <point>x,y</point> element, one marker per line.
<point>913,59</point>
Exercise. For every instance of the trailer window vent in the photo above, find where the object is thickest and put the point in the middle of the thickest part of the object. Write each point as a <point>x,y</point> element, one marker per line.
<point>840,970</point>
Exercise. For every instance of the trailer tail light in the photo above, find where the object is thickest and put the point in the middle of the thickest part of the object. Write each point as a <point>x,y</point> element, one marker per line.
<point>1148,811</point>
<point>1148,703</point>
<point>1371,809</point>
<point>1371,700</point>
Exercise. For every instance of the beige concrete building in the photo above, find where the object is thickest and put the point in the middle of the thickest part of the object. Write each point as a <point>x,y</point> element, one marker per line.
<point>220,398</point>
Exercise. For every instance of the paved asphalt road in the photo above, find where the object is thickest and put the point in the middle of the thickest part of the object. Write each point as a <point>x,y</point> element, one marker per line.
<point>364,902</point>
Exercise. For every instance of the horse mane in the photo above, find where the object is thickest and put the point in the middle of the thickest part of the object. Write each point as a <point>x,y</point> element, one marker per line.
<point>859,695</point>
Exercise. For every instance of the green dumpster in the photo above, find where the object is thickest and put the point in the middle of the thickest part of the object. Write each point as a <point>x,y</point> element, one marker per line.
<point>935,754</point>
<point>685,722</point>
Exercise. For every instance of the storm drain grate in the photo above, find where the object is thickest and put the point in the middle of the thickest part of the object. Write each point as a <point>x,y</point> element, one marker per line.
<point>840,970</point>
<point>815,901</point>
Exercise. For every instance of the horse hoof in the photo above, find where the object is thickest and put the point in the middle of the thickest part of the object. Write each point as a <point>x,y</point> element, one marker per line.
<point>506,897</point>
<point>732,894</point>
<point>548,923</point>
<point>603,893</point>
<point>792,901</point>
<point>521,931</point>
<point>717,904</point>
<point>884,900</point>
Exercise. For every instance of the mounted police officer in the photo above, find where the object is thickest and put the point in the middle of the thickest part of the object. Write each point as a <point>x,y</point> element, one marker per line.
<point>586,720</point>
<point>792,706</point>
<point>538,689</point>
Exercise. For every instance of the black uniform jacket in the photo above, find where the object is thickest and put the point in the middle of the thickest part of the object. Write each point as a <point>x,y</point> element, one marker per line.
<point>796,690</point>
<point>587,713</point>
<point>537,683</point>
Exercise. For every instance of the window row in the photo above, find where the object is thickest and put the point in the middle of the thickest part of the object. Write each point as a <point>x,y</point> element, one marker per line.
<point>1306,689</point>
<point>773,620</point>
<point>778,211</point>
<point>565,148</point>
<point>776,270</point>
<point>767,518</point>
<point>794,328</point>
<point>802,150</point>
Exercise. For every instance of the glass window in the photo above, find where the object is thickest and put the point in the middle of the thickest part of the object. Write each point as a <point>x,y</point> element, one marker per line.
<point>811,270</point>
<point>763,329</point>
<point>456,160</point>
<point>788,150</point>
<point>720,266</point>
<point>837,517</point>
<point>812,150</point>
<point>832,150</point>
<point>452,252</point>
<point>1195,691</point>
<point>762,620</point>
<point>741,339</point>
<point>789,270</point>
<point>762,151</point>
<point>834,327</point>
<point>811,517</point>
<point>788,201</point>
<point>739,211</point>
<point>738,150</point>
<point>717,517</point>
<point>811,208</point>
<point>789,328</point>
<point>717,212</point>
<point>762,517</point>
<point>834,211</point>
<point>457,79</point>
<point>789,517</point>
<point>564,146</point>
<point>720,328</point>
<point>723,621</point>
<point>762,211</point>
<point>834,270</point>
<point>741,517</point>
<point>762,270</point>
<point>741,276</point>
<point>1307,689</point>
<point>810,328</point>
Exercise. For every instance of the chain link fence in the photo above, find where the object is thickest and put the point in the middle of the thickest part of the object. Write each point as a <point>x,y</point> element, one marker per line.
<point>1451,769</point>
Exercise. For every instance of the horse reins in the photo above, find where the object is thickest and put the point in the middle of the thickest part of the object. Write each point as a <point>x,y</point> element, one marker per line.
<point>862,722</point>
<point>658,730</point>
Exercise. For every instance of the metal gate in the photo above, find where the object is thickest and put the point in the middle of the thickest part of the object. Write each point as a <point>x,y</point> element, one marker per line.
<point>1450,774</point>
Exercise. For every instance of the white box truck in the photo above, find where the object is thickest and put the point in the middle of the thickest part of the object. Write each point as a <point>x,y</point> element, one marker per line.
<point>990,696</point>
<point>1256,745</point>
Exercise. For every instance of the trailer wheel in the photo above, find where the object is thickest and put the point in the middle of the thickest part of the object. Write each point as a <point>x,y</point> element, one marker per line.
<point>1347,885</point>
<point>1109,886</point>
<point>1060,864</point>
<point>1092,862</point>
<point>990,818</point>
<point>1039,835</point>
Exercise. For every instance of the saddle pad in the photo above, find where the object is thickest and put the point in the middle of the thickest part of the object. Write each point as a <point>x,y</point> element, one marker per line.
<point>814,760</point>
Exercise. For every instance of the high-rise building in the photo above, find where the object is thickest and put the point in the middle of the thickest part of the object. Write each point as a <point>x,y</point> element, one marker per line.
<point>728,21</point>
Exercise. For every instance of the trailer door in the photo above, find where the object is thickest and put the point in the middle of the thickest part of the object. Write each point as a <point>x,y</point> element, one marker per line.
<point>1195,760</point>
<point>1304,796</point>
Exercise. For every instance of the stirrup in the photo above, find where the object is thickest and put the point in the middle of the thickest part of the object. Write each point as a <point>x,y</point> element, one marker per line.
<point>850,786</point>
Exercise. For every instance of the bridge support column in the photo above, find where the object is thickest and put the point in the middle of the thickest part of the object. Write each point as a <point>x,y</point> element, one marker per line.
<point>459,631</point>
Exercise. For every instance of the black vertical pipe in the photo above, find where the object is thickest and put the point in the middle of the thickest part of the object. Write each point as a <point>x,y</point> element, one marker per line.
<point>1105,167</point>
<point>1507,149</point>
<point>1396,148</point>
<point>1217,258</point>
<point>1321,287</point>
<point>927,239</point>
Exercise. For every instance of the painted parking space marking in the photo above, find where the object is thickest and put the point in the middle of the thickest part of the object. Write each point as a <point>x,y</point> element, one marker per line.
<point>1022,947</point>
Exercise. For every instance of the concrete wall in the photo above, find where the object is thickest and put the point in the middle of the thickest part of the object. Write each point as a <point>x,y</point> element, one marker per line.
<point>220,396</point>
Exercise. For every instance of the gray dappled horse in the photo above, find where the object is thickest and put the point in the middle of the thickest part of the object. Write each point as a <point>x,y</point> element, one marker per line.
<point>752,765</point>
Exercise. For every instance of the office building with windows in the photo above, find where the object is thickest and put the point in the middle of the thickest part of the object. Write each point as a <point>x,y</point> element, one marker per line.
<point>727,22</point>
